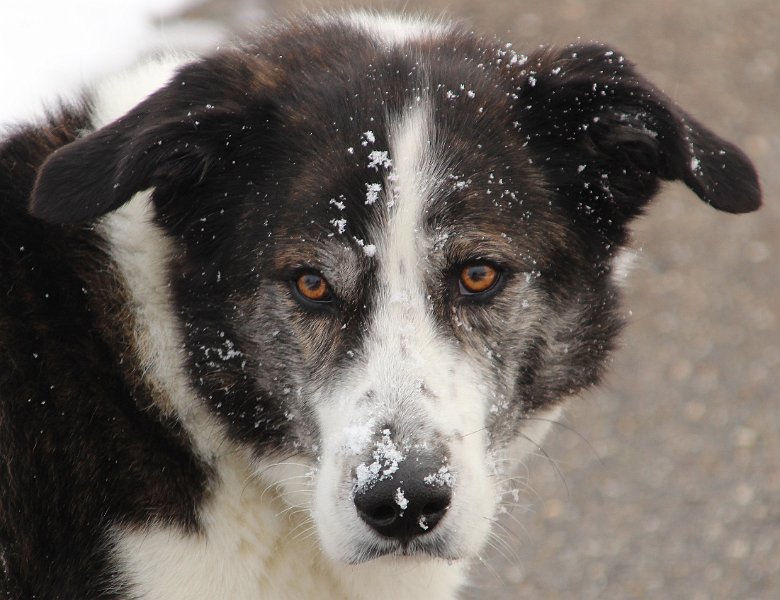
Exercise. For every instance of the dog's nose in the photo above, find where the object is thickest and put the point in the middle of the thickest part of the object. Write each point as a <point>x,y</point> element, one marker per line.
<point>409,503</point>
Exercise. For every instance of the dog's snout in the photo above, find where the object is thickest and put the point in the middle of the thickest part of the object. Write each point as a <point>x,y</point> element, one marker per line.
<point>406,505</point>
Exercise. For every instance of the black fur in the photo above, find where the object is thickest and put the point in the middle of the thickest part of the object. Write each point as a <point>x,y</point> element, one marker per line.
<point>82,443</point>
<point>244,151</point>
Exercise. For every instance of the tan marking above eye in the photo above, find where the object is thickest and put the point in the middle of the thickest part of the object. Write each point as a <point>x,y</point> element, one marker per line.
<point>313,287</point>
<point>478,278</point>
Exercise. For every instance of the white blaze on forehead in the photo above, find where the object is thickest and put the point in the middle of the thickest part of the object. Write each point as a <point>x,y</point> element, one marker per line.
<point>411,189</point>
<point>407,358</point>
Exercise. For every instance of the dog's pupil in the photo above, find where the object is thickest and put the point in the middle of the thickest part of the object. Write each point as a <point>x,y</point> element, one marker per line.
<point>478,277</point>
<point>313,286</point>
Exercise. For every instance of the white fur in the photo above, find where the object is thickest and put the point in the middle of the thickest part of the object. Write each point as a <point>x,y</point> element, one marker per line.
<point>141,252</point>
<point>622,265</point>
<point>115,96</point>
<point>393,30</point>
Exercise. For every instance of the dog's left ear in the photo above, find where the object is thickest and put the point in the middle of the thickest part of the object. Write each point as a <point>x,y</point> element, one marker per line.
<point>608,136</point>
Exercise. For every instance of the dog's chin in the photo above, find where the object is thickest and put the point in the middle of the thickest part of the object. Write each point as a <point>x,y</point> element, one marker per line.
<point>416,551</point>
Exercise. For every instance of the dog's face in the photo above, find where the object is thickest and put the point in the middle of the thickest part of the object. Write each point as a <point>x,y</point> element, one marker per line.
<point>394,260</point>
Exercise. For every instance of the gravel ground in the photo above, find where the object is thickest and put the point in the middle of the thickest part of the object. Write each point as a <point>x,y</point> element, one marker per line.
<point>665,483</point>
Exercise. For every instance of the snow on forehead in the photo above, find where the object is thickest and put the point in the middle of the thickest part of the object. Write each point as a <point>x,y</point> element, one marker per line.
<point>394,30</point>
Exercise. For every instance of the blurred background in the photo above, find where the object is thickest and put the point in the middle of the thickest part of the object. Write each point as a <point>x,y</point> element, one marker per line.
<point>665,482</point>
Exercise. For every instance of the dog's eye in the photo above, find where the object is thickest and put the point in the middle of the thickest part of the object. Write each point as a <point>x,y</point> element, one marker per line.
<point>313,287</point>
<point>478,278</point>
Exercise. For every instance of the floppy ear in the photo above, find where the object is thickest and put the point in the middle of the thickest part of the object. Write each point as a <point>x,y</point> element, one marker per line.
<point>174,138</point>
<point>609,136</point>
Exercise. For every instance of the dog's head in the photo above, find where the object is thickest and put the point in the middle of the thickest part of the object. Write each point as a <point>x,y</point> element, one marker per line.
<point>394,254</point>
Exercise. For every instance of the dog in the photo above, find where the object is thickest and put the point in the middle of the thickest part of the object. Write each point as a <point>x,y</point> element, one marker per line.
<point>273,319</point>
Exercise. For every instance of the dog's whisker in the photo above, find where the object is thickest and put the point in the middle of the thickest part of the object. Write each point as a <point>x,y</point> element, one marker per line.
<point>572,430</point>
<point>490,569</point>
<point>303,533</point>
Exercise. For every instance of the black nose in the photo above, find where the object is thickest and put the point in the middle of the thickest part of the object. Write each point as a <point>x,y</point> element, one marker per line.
<point>404,505</point>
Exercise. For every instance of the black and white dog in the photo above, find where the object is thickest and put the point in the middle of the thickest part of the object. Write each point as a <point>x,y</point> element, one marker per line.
<point>271,320</point>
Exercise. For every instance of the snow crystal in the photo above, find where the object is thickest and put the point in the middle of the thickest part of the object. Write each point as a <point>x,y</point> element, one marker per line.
<point>350,150</point>
<point>519,59</point>
<point>369,138</point>
<point>695,164</point>
<point>339,224</point>
<point>386,458</point>
<point>229,353</point>
<point>379,158</point>
<point>337,204</point>
<point>531,80</point>
<point>400,499</point>
<point>442,477</point>
<point>372,192</point>
<point>358,436</point>
<point>368,249</point>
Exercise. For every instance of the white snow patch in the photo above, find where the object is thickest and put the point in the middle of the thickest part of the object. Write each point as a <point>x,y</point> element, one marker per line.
<point>358,436</point>
<point>372,192</point>
<point>401,500</point>
<point>379,158</point>
<point>339,224</point>
<point>386,459</point>
<point>368,249</point>
<point>442,477</point>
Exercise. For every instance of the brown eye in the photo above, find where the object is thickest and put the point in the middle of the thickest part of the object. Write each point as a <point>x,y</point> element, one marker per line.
<point>313,287</point>
<point>477,278</point>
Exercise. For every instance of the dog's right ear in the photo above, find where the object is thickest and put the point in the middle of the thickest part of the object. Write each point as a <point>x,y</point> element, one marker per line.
<point>174,137</point>
<point>608,137</point>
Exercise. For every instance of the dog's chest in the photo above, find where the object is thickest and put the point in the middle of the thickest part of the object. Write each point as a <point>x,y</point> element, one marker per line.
<point>247,549</point>
<point>253,546</point>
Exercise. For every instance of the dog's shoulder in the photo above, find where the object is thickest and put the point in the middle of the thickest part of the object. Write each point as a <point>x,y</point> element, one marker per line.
<point>80,439</point>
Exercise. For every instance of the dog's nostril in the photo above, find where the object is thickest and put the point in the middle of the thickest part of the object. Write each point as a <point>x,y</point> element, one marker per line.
<point>435,509</point>
<point>382,516</point>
